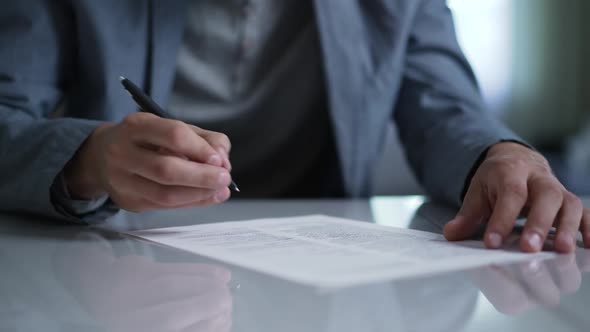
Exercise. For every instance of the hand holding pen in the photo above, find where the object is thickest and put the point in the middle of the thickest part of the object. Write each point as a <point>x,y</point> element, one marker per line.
<point>147,104</point>
<point>148,162</point>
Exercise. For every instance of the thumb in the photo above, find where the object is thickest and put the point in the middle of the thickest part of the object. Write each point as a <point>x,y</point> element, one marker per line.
<point>470,217</point>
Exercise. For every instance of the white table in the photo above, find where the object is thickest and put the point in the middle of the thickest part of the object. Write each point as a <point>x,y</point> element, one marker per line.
<point>57,277</point>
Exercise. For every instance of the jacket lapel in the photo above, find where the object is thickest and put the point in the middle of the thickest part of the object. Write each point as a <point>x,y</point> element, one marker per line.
<point>167,18</point>
<point>360,42</point>
<point>346,65</point>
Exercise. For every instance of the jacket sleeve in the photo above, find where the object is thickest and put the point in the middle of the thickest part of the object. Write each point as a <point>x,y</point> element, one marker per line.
<point>440,113</point>
<point>37,51</point>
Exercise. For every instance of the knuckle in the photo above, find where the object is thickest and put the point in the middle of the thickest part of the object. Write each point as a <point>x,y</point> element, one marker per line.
<point>208,181</point>
<point>492,164</point>
<point>554,192</point>
<point>113,151</point>
<point>206,202</point>
<point>204,180</point>
<point>223,139</point>
<point>165,197</point>
<point>165,171</point>
<point>506,165</point>
<point>204,196</point>
<point>501,226</point>
<point>515,188</point>
<point>178,134</point>
<point>133,121</point>
<point>573,200</point>
<point>519,164</point>
<point>539,229</point>
<point>211,179</point>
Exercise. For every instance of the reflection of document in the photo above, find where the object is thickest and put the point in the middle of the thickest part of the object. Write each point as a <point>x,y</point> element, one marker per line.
<point>329,252</point>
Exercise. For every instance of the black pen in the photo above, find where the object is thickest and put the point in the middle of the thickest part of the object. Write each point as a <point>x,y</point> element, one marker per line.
<point>147,104</point>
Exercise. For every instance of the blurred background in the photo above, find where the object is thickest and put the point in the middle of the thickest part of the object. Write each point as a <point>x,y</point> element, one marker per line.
<point>531,60</point>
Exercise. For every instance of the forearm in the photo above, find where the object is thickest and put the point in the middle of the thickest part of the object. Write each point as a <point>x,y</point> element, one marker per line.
<point>440,112</point>
<point>445,156</point>
<point>35,151</point>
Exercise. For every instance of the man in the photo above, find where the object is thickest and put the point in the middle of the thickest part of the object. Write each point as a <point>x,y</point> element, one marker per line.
<point>304,89</point>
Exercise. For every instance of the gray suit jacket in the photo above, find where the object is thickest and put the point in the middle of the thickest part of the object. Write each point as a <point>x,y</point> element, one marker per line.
<point>384,60</point>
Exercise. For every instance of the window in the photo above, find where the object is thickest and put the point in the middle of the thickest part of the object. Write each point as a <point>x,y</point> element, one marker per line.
<point>484,30</point>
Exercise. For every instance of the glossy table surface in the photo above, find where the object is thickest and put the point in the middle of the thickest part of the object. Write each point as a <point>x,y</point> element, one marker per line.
<point>57,277</point>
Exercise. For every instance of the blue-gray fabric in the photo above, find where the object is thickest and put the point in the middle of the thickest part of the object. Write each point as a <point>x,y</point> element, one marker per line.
<point>256,62</point>
<point>72,207</point>
<point>383,60</point>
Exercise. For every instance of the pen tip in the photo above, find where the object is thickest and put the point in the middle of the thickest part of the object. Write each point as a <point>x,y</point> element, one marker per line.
<point>121,78</point>
<point>234,186</point>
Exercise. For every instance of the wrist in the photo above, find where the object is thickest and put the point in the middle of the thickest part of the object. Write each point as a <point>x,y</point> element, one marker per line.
<point>81,173</point>
<point>516,150</point>
<point>507,147</point>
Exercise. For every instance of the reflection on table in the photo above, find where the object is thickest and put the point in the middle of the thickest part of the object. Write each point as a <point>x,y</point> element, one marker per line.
<point>74,278</point>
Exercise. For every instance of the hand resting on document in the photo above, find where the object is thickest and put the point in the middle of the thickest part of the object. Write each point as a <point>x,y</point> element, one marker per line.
<point>514,180</point>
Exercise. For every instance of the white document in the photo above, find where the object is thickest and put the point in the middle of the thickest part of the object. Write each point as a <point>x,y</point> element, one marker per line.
<point>329,252</point>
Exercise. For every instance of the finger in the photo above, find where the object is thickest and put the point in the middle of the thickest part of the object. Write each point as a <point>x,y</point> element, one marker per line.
<point>219,141</point>
<point>540,284</point>
<point>568,223</point>
<point>137,204</point>
<point>215,139</point>
<point>163,195</point>
<point>546,198</point>
<point>501,288</point>
<point>220,196</point>
<point>585,227</point>
<point>583,260</point>
<point>226,163</point>
<point>470,217</point>
<point>171,170</point>
<point>165,151</point>
<point>173,135</point>
<point>567,275</point>
<point>512,196</point>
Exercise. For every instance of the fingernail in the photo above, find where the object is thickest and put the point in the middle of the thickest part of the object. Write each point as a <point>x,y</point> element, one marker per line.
<point>534,241</point>
<point>221,195</point>
<point>223,179</point>
<point>495,240</point>
<point>215,160</point>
